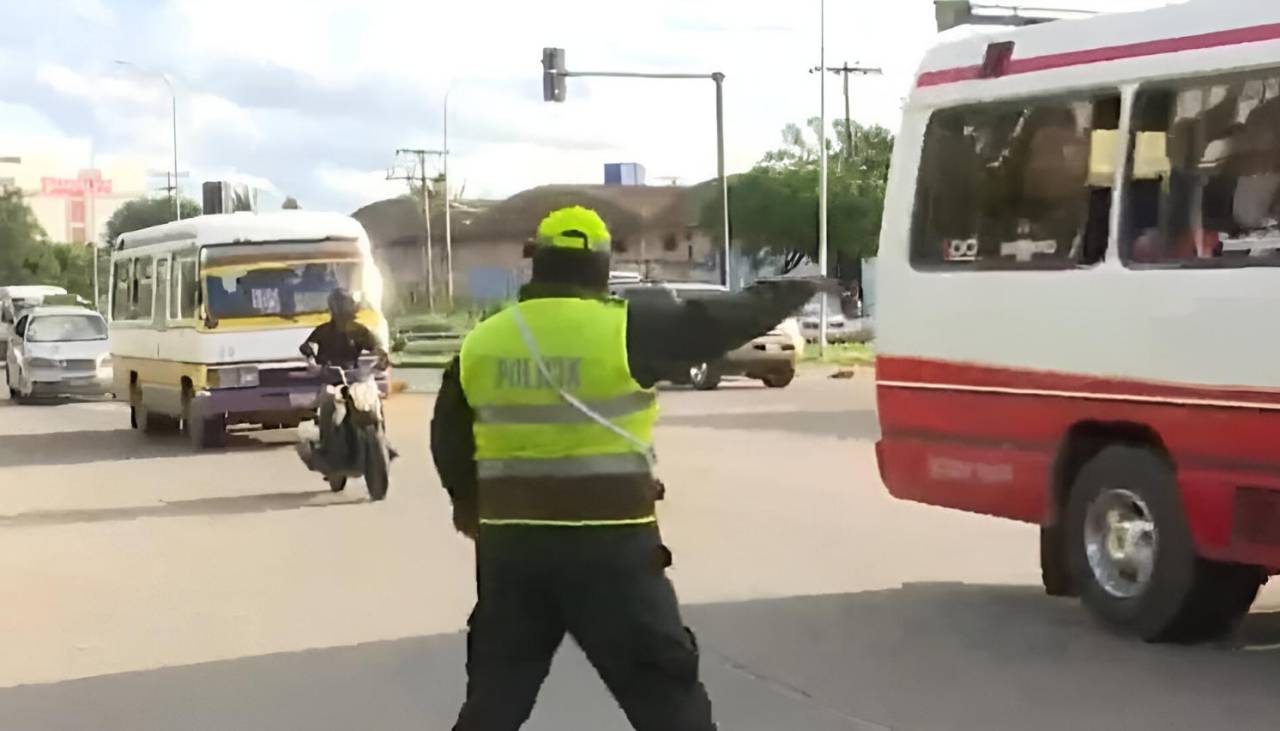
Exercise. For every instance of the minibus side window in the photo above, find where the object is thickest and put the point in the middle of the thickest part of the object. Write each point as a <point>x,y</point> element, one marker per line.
<point>143,289</point>
<point>1016,185</point>
<point>186,288</point>
<point>121,303</point>
<point>1203,174</point>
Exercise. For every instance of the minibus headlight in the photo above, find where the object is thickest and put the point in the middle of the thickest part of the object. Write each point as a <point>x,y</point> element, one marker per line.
<point>233,377</point>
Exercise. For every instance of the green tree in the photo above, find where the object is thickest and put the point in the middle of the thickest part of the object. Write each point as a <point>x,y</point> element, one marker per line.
<point>24,256</point>
<point>141,213</point>
<point>291,204</point>
<point>28,257</point>
<point>773,209</point>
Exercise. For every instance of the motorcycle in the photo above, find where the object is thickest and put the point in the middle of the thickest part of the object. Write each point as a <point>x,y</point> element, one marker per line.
<point>348,438</point>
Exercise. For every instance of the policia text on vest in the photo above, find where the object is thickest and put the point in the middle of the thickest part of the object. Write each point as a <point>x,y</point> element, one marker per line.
<point>565,373</point>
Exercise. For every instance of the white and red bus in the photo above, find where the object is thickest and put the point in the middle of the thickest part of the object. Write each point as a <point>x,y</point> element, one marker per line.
<point>1079,303</point>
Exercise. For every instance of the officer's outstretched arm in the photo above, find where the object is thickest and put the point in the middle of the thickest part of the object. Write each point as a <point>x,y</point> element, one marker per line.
<point>691,331</point>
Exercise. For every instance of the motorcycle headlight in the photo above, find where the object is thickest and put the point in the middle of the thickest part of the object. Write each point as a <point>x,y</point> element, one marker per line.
<point>233,377</point>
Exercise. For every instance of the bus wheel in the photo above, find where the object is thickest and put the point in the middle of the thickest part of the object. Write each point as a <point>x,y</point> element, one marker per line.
<point>207,432</point>
<point>1132,557</point>
<point>704,377</point>
<point>141,417</point>
<point>1055,574</point>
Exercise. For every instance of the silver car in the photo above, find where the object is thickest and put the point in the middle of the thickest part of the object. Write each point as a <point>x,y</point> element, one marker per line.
<point>58,351</point>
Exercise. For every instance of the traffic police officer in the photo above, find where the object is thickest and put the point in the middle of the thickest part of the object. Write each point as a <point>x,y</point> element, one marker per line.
<point>543,435</point>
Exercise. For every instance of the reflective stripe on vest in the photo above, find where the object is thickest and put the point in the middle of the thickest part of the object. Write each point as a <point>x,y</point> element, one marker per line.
<point>540,459</point>
<point>604,464</point>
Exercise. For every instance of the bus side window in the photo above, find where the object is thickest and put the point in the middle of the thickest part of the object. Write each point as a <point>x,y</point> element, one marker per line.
<point>121,305</point>
<point>1214,199</point>
<point>186,288</point>
<point>1012,185</point>
<point>143,288</point>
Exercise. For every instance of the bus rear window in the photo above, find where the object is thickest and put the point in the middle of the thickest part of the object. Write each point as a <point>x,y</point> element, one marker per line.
<point>1016,185</point>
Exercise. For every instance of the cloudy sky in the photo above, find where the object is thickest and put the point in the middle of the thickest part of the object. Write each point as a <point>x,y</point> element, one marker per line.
<point>312,97</point>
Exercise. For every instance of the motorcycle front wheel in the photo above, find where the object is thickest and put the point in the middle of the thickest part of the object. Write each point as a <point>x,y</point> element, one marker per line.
<point>377,460</point>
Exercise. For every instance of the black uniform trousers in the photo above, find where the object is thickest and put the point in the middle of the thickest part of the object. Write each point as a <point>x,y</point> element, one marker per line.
<point>607,588</point>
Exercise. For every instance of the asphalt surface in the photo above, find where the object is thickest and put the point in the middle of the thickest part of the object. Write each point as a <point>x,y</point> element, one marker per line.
<point>147,588</point>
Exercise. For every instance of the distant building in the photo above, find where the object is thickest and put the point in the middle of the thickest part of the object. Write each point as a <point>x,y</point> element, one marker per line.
<point>623,173</point>
<point>73,205</point>
<point>655,232</point>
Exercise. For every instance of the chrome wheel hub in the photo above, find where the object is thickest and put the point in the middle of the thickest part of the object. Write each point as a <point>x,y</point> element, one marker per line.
<point>1120,540</point>
<point>698,373</point>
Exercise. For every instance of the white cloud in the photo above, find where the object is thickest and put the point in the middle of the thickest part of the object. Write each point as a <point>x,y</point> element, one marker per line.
<point>94,11</point>
<point>214,114</point>
<point>364,186</point>
<point>314,95</point>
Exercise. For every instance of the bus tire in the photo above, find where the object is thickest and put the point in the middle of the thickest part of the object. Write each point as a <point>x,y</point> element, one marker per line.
<point>1055,573</point>
<point>1133,559</point>
<point>209,432</point>
<point>704,377</point>
<point>151,423</point>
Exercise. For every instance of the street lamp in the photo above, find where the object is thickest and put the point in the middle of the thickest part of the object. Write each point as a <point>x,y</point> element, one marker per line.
<point>553,90</point>
<point>173,98</point>
<point>448,226</point>
<point>822,174</point>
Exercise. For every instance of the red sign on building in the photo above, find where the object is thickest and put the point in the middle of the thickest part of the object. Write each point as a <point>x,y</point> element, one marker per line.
<point>74,187</point>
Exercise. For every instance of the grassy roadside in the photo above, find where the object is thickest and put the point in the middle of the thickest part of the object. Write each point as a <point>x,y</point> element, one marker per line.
<point>840,354</point>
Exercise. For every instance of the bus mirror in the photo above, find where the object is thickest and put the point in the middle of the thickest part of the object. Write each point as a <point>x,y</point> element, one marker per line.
<point>210,321</point>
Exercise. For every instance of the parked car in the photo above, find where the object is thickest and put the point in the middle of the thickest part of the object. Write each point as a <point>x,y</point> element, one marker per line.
<point>15,299</point>
<point>58,351</point>
<point>838,325</point>
<point>770,358</point>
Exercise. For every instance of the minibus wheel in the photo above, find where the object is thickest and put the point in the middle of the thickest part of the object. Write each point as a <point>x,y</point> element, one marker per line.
<point>1133,559</point>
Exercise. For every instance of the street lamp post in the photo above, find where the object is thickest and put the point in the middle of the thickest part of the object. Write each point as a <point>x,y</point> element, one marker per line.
<point>554,74</point>
<point>173,106</point>
<point>822,174</point>
<point>448,225</point>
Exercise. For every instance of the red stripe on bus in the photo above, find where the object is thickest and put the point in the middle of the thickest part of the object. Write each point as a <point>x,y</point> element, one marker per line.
<point>941,374</point>
<point>1217,39</point>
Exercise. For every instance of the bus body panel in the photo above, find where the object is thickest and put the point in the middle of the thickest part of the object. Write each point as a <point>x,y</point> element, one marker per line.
<point>982,375</point>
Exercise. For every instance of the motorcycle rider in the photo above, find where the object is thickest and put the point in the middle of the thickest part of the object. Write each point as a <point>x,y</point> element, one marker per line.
<point>341,341</point>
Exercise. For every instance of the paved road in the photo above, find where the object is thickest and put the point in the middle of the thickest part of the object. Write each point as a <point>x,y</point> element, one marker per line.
<point>147,588</point>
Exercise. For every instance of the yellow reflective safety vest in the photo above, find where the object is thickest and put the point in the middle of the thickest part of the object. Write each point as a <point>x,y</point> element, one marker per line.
<point>540,459</point>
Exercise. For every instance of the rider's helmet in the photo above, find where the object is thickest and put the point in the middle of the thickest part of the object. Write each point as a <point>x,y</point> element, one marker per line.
<point>342,305</point>
<point>572,247</point>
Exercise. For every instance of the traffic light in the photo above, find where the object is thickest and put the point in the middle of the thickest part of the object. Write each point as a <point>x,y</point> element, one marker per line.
<point>553,75</point>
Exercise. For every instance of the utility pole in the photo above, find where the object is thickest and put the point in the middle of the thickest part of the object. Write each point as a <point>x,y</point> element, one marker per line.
<point>845,70</point>
<point>418,172</point>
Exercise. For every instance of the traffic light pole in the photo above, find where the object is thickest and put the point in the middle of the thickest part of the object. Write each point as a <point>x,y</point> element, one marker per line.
<point>553,68</point>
